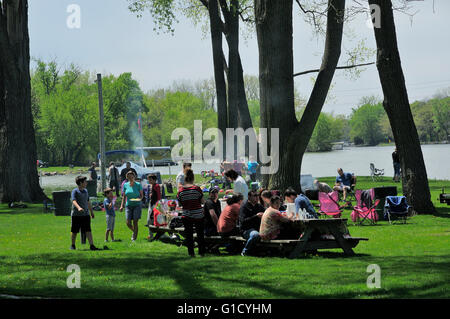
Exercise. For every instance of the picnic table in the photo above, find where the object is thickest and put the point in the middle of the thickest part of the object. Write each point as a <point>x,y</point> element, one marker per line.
<point>333,233</point>
<point>313,234</point>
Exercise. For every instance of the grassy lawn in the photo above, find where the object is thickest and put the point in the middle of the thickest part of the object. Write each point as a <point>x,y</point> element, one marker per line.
<point>34,254</point>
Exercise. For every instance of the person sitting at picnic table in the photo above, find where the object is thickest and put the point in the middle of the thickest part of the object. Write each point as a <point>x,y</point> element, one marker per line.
<point>303,203</point>
<point>272,220</point>
<point>191,199</point>
<point>212,211</point>
<point>343,182</point>
<point>180,179</point>
<point>239,184</point>
<point>250,221</point>
<point>264,197</point>
<point>227,223</point>
<point>289,198</point>
<point>322,187</point>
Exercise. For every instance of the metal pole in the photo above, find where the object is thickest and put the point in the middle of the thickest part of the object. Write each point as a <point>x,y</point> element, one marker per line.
<point>102,131</point>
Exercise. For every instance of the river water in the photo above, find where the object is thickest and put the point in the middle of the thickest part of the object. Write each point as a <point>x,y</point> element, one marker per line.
<point>352,159</point>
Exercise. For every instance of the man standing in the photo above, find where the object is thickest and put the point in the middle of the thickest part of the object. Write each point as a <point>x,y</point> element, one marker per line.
<point>123,173</point>
<point>252,165</point>
<point>180,177</point>
<point>113,178</point>
<point>396,162</point>
<point>250,221</point>
<point>92,172</point>
<point>343,182</point>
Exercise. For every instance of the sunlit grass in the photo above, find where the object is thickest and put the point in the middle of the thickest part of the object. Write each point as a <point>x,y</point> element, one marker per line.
<point>34,255</point>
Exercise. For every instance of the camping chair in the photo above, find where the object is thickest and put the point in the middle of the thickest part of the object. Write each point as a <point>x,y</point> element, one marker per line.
<point>363,213</point>
<point>350,193</point>
<point>329,205</point>
<point>396,208</point>
<point>375,173</point>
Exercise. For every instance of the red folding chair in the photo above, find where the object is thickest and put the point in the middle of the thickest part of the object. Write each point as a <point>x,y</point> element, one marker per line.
<point>329,204</point>
<point>362,213</point>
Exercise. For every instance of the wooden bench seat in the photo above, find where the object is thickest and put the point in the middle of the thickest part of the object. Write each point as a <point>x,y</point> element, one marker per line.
<point>293,246</point>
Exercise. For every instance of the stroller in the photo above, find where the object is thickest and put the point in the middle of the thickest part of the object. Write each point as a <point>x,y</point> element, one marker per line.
<point>396,208</point>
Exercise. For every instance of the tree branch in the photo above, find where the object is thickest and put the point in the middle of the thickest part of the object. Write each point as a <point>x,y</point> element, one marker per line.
<point>205,3</point>
<point>337,68</point>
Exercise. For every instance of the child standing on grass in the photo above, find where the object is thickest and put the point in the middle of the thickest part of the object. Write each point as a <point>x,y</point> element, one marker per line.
<point>80,212</point>
<point>154,195</point>
<point>110,213</point>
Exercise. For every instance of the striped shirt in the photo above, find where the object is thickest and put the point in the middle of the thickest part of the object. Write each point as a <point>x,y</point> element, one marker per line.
<point>190,199</point>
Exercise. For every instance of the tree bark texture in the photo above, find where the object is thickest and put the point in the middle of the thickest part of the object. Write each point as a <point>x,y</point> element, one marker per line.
<point>19,179</point>
<point>274,31</point>
<point>396,104</point>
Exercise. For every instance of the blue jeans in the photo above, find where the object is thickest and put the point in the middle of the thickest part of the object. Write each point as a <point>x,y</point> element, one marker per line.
<point>252,237</point>
<point>396,169</point>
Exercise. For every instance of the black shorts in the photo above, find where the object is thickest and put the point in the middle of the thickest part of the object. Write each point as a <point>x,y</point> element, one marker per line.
<point>81,222</point>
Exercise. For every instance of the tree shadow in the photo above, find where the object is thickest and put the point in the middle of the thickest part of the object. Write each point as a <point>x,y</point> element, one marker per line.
<point>194,278</point>
<point>443,212</point>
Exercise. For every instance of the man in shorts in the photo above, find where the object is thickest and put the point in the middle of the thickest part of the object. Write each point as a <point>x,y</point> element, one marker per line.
<point>80,212</point>
<point>343,182</point>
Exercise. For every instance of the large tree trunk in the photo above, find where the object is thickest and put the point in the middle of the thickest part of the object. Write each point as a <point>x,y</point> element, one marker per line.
<point>332,52</point>
<point>274,29</point>
<point>219,75</point>
<point>274,33</point>
<point>238,112</point>
<point>19,179</point>
<point>396,104</point>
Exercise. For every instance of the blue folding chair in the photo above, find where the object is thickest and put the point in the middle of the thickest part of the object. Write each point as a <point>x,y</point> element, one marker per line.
<point>396,208</point>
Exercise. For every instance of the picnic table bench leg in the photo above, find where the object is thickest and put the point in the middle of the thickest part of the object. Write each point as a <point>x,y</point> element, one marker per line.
<point>300,247</point>
<point>342,242</point>
<point>157,235</point>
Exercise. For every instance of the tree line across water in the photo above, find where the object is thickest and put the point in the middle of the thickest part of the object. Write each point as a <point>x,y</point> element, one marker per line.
<point>65,109</point>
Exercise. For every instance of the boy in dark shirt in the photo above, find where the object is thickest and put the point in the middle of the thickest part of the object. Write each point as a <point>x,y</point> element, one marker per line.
<point>211,210</point>
<point>80,212</point>
<point>250,220</point>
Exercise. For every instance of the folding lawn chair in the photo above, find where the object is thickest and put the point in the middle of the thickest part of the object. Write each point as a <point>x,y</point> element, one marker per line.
<point>396,208</point>
<point>329,204</point>
<point>363,212</point>
<point>350,192</point>
<point>375,173</point>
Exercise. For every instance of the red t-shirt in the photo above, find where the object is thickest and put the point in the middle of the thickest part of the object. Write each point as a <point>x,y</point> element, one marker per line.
<point>228,218</point>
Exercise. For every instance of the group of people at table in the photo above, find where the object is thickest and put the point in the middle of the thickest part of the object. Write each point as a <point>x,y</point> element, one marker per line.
<point>255,215</point>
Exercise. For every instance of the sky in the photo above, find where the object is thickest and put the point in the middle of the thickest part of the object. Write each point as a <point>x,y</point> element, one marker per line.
<point>112,40</point>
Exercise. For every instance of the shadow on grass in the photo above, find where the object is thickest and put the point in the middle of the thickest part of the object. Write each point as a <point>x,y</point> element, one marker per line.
<point>443,212</point>
<point>195,278</point>
<point>34,209</point>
